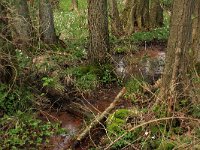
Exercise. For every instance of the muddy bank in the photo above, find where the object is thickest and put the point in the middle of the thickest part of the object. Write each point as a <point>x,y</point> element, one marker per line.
<point>74,124</point>
<point>147,63</point>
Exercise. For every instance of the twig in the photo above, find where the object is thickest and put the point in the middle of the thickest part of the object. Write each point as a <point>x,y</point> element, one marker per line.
<point>146,123</point>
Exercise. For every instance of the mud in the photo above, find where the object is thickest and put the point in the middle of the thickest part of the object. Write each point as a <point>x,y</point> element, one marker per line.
<point>148,63</point>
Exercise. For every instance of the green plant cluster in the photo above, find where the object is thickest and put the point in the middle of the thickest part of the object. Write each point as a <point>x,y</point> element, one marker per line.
<point>157,135</point>
<point>85,78</point>
<point>70,24</point>
<point>23,131</point>
<point>133,89</point>
<point>159,34</point>
<point>19,129</point>
<point>122,46</point>
<point>167,3</point>
<point>116,124</point>
<point>14,99</point>
<point>89,77</point>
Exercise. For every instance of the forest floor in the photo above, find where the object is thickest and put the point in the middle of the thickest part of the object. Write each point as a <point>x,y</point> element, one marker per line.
<point>95,103</point>
<point>57,88</point>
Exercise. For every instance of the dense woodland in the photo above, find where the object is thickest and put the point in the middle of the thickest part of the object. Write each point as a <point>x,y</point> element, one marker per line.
<point>100,74</point>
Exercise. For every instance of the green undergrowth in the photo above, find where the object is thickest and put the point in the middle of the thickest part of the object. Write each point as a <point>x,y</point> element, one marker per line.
<point>88,77</point>
<point>65,5</point>
<point>14,99</point>
<point>158,34</point>
<point>152,134</point>
<point>69,24</point>
<point>116,126</point>
<point>134,90</point>
<point>130,44</point>
<point>19,127</point>
<point>159,135</point>
<point>24,131</point>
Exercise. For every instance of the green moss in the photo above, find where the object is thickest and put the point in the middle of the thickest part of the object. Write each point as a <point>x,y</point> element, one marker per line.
<point>115,126</point>
<point>121,113</point>
<point>116,121</point>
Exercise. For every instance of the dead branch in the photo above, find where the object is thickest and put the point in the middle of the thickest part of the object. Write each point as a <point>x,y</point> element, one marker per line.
<point>99,117</point>
<point>149,122</point>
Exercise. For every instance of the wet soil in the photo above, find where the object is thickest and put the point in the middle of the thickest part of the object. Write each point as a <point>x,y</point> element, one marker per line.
<point>98,102</point>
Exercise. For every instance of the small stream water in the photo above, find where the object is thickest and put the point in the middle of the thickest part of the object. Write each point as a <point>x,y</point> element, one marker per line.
<point>72,124</point>
<point>149,64</point>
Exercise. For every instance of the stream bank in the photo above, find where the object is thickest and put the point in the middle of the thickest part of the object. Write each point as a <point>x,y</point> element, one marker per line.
<point>147,63</point>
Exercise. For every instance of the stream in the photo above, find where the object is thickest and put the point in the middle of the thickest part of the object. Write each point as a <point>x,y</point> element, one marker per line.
<point>147,63</point>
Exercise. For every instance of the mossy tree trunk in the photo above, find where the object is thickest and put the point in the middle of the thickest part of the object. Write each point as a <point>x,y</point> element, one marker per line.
<point>142,14</point>
<point>47,30</point>
<point>21,23</point>
<point>156,14</point>
<point>135,15</point>
<point>128,16</point>
<point>98,30</point>
<point>175,81</point>
<point>116,25</point>
<point>128,4</point>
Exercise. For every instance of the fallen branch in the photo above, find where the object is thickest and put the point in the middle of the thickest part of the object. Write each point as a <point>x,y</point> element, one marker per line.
<point>98,118</point>
<point>146,123</point>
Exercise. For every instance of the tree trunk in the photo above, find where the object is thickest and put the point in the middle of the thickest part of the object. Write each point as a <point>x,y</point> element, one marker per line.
<point>142,14</point>
<point>116,25</point>
<point>21,22</point>
<point>156,14</point>
<point>175,81</point>
<point>196,50</point>
<point>7,62</point>
<point>128,16</point>
<point>135,14</point>
<point>47,29</point>
<point>98,30</point>
<point>3,27</point>
<point>196,32</point>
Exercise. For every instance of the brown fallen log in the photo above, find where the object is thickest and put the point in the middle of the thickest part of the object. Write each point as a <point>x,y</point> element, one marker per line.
<point>98,118</point>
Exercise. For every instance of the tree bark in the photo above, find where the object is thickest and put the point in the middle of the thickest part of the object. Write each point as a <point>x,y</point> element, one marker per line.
<point>175,81</point>
<point>156,14</point>
<point>128,16</point>
<point>3,27</point>
<point>21,22</point>
<point>135,15</point>
<point>142,14</point>
<point>47,30</point>
<point>116,25</point>
<point>195,55</point>
<point>196,32</point>
<point>98,30</point>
